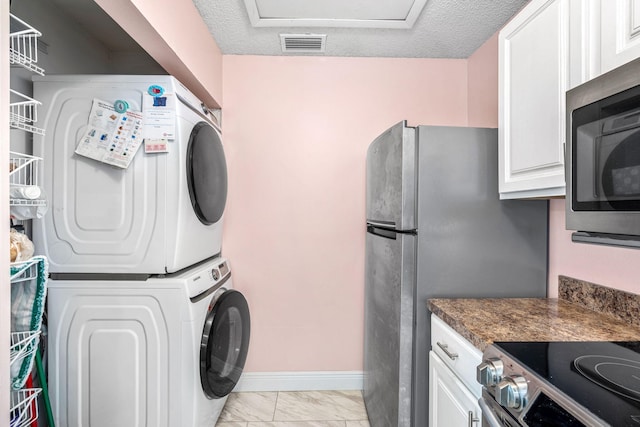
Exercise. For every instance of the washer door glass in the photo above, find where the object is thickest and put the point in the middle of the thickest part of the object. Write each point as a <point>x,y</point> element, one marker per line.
<point>206,173</point>
<point>225,342</point>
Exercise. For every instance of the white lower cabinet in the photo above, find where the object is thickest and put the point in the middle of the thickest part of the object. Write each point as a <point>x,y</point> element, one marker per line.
<point>453,389</point>
<point>451,404</point>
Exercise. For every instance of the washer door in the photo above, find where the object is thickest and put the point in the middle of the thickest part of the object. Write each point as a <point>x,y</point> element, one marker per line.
<point>206,173</point>
<point>224,345</point>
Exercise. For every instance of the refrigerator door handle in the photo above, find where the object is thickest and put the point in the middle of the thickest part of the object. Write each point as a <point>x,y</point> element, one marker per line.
<point>382,232</point>
<point>382,224</point>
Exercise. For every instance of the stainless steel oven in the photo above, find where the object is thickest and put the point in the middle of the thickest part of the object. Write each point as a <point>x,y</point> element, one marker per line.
<point>603,158</point>
<point>564,384</point>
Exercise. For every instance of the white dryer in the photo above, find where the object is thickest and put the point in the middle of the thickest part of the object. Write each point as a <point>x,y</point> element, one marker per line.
<point>161,352</point>
<point>161,214</point>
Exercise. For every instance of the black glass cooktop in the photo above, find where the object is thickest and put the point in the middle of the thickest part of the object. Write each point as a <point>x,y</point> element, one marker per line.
<point>603,377</point>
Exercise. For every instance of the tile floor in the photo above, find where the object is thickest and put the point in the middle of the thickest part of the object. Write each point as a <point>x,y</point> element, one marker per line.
<point>294,409</point>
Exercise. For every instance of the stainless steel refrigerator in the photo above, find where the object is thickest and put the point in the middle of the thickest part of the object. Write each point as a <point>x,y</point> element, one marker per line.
<point>436,228</point>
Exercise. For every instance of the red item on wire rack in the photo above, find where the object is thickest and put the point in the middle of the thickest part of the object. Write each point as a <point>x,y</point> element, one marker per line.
<point>29,384</point>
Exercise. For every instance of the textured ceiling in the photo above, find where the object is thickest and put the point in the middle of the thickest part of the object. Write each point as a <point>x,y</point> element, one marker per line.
<point>444,29</point>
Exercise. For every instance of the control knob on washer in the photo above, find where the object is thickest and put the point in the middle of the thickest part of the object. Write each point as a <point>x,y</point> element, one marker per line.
<point>512,392</point>
<point>489,372</point>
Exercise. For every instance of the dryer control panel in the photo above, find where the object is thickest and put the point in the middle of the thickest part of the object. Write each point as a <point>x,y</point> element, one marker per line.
<point>211,275</point>
<point>223,268</point>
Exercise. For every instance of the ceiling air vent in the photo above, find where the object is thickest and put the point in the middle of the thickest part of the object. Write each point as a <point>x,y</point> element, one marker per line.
<point>303,43</point>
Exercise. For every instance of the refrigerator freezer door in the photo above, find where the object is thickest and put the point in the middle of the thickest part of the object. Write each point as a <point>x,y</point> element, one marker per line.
<point>390,281</point>
<point>391,179</point>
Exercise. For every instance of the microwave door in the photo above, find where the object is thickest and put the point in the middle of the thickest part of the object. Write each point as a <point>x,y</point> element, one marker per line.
<point>620,167</point>
<point>597,181</point>
<point>587,155</point>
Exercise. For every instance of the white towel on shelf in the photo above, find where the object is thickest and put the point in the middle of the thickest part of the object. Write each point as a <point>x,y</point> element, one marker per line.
<point>28,192</point>
<point>27,202</point>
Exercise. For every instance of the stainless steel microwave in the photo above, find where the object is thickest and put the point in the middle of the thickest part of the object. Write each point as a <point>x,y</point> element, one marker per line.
<point>603,158</point>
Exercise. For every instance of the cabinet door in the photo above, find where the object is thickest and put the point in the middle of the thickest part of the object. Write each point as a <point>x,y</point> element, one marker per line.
<point>533,78</point>
<point>584,41</point>
<point>451,404</point>
<point>620,32</point>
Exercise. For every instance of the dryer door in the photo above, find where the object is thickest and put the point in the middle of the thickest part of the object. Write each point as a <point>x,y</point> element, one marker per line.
<point>224,345</point>
<point>206,173</point>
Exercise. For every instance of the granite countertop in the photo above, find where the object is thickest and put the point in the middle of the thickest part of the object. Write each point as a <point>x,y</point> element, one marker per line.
<point>577,315</point>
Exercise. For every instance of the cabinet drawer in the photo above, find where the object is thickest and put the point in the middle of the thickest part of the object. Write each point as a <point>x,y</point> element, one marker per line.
<point>462,356</point>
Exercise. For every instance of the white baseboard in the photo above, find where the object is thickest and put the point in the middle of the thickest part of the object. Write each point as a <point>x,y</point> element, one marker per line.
<point>300,381</point>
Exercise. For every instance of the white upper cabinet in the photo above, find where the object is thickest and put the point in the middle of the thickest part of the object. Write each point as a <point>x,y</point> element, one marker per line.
<point>550,47</point>
<point>584,41</point>
<point>620,32</point>
<point>533,77</point>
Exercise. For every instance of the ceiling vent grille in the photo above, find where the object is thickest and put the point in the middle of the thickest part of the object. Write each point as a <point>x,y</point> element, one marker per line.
<point>303,43</point>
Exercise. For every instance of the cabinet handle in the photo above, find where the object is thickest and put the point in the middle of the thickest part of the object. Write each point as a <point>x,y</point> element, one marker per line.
<point>472,419</point>
<point>445,348</point>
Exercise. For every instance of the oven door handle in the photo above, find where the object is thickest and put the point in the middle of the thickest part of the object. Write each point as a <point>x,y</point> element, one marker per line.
<point>489,418</point>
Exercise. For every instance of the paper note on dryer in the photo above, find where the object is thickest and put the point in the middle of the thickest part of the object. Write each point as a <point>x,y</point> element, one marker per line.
<point>160,116</point>
<point>111,137</point>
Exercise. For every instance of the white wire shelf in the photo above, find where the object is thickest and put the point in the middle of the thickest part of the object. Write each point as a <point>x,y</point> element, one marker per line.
<point>24,180</point>
<point>25,270</point>
<point>23,344</point>
<point>23,112</point>
<point>26,202</point>
<point>24,408</point>
<point>23,169</point>
<point>23,45</point>
<point>22,108</point>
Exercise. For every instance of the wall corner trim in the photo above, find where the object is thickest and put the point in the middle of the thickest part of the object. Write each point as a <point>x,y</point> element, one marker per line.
<point>301,381</point>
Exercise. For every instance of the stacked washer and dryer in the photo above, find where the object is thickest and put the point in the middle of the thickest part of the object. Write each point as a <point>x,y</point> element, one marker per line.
<point>145,328</point>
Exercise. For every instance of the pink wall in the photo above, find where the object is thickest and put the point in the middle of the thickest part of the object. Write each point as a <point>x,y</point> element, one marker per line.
<point>167,29</point>
<point>296,130</point>
<point>608,266</point>
<point>483,85</point>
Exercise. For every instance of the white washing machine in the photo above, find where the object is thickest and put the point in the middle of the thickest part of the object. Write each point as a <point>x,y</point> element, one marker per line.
<point>161,214</point>
<point>164,352</point>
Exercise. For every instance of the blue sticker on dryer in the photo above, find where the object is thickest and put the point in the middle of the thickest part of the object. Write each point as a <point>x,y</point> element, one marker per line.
<point>155,90</point>
<point>121,106</point>
<point>160,101</point>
